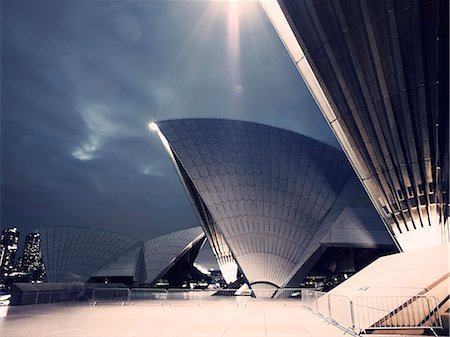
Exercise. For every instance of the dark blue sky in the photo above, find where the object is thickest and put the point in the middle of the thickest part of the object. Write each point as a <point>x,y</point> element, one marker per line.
<point>81,79</point>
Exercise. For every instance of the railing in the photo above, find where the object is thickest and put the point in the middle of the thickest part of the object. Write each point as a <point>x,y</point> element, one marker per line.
<point>310,298</point>
<point>339,309</point>
<point>289,294</point>
<point>396,312</point>
<point>358,314</point>
<point>161,296</point>
<point>111,295</point>
<point>49,296</point>
<point>364,313</point>
<point>140,295</point>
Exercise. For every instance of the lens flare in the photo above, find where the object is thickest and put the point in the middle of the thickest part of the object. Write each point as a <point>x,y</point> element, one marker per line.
<point>152,126</point>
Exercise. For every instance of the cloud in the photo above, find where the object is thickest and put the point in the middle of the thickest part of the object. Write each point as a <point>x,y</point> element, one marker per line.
<point>82,79</point>
<point>152,170</point>
<point>87,150</point>
<point>100,125</point>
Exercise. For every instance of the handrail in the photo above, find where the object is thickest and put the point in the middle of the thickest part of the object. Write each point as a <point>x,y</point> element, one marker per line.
<point>396,312</point>
<point>134,295</point>
<point>361,313</point>
<point>358,313</point>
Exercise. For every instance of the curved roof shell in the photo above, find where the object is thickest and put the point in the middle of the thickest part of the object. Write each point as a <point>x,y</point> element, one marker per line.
<point>380,74</point>
<point>77,253</point>
<point>268,190</point>
<point>161,253</point>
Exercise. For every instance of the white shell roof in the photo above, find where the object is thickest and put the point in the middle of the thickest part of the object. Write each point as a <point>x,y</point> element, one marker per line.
<point>267,189</point>
<point>162,252</point>
<point>77,253</point>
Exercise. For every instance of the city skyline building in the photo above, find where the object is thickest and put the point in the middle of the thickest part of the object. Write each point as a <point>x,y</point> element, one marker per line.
<point>269,199</point>
<point>9,243</point>
<point>31,260</point>
<point>379,73</point>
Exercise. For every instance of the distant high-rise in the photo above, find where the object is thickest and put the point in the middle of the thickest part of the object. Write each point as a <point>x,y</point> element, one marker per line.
<point>9,241</point>
<point>32,261</point>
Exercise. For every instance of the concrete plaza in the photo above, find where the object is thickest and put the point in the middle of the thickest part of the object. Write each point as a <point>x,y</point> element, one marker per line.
<point>182,319</point>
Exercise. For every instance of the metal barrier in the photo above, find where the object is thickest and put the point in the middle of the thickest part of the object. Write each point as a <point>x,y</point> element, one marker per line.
<point>310,298</point>
<point>156,295</point>
<point>339,309</point>
<point>111,295</point>
<point>145,294</point>
<point>185,294</point>
<point>396,312</point>
<point>364,313</point>
<point>49,296</point>
<point>289,294</point>
<point>214,294</point>
<point>358,313</point>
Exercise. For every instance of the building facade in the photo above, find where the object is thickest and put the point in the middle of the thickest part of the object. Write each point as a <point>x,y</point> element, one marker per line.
<point>379,71</point>
<point>9,242</point>
<point>80,254</point>
<point>163,252</point>
<point>31,260</point>
<point>268,197</point>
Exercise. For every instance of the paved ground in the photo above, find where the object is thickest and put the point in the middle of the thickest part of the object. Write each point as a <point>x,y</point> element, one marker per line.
<point>182,319</point>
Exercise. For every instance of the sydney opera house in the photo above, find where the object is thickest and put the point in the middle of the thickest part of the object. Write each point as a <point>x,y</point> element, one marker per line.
<point>379,73</point>
<point>80,254</point>
<point>274,203</point>
<point>270,201</point>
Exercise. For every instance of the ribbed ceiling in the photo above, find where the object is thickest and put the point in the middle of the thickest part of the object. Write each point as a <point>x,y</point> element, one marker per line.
<point>383,66</point>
